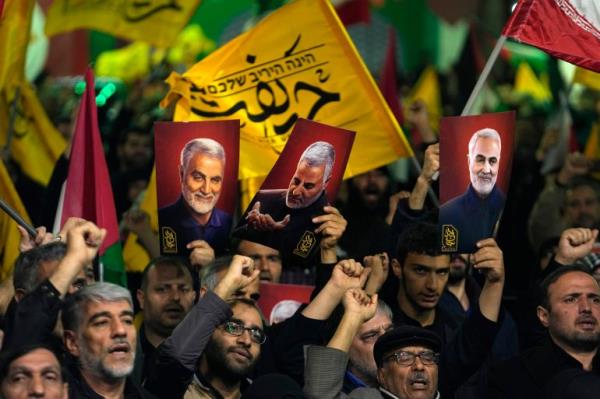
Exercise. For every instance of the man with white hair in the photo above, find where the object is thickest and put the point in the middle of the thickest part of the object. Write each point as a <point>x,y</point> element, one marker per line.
<point>193,221</point>
<point>282,218</point>
<point>99,333</point>
<point>475,213</point>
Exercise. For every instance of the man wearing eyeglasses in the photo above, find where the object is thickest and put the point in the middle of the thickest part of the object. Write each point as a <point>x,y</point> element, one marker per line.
<point>214,349</point>
<point>407,358</point>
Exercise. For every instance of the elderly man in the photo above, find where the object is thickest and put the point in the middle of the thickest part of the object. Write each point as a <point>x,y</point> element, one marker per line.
<point>282,219</point>
<point>32,372</point>
<point>475,213</point>
<point>99,333</point>
<point>193,217</point>
<point>570,310</point>
<point>407,358</point>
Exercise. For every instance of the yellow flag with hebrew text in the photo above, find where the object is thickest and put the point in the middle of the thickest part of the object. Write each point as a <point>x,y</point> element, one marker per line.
<point>152,21</point>
<point>298,62</point>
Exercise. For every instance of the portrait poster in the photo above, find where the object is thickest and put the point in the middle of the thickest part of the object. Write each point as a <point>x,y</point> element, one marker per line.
<point>196,189</point>
<point>475,165</point>
<point>304,179</point>
<point>280,301</point>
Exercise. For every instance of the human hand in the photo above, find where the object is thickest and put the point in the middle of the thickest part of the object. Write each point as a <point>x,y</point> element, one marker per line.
<point>489,260</point>
<point>202,253</point>
<point>332,224</point>
<point>83,242</point>
<point>42,237</point>
<point>137,221</point>
<point>347,274</point>
<point>240,274</point>
<point>264,222</point>
<point>393,201</point>
<point>431,162</point>
<point>576,164</point>
<point>574,244</point>
<point>359,304</point>
<point>380,267</point>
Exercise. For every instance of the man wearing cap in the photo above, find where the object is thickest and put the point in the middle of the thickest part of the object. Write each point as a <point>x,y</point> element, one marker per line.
<point>407,358</point>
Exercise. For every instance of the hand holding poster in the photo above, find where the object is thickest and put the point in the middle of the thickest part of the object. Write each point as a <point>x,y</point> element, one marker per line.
<point>196,173</point>
<point>475,164</point>
<point>303,181</point>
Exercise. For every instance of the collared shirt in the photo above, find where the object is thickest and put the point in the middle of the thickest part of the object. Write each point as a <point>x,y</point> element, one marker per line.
<point>178,218</point>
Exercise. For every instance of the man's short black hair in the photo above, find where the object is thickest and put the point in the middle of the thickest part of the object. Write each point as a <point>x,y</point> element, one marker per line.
<point>174,261</point>
<point>27,265</point>
<point>553,277</point>
<point>419,238</point>
<point>10,355</point>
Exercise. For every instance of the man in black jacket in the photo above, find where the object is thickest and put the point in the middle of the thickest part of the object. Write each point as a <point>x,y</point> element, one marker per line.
<point>570,310</point>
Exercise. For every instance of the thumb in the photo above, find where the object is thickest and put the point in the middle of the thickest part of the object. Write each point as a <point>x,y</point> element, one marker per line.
<point>286,220</point>
<point>256,206</point>
<point>364,276</point>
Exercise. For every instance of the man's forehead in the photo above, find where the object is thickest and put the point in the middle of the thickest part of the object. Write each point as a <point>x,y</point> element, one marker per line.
<point>436,262</point>
<point>485,145</point>
<point>204,159</point>
<point>36,359</point>
<point>315,171</point>
<point>253,248</point>
<point>573,283</point>
<point>248,314</point>
<point>117,307</point>
<point>163,273</point>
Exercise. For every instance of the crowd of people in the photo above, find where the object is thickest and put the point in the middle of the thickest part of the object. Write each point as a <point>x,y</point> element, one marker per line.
<point>390,316</point>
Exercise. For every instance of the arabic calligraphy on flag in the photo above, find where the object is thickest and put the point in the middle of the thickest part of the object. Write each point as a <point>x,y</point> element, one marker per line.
<point>296,63</point>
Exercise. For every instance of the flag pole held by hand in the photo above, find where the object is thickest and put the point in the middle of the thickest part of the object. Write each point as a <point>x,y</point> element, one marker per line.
<point>17,218</point>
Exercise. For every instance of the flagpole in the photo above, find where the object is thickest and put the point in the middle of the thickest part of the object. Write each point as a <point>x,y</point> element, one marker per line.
<point>17,218</point>
<point>484,75</point>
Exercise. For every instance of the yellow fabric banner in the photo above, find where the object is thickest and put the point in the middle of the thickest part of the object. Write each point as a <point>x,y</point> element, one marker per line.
<point>298,62</point>
<point>135,256</point>
<point>427,89</point>
<point>9,235</point>
<point>152,21</point>
<point>14,37</point>
<point>36,144</point>
<point>587,78</point>
<point>527,83</point>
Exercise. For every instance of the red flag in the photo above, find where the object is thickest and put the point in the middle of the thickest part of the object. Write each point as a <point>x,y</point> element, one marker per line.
<point>566,29</point>
<point>1,7</point>
<point>87,192</point>
<point>388,85</point>
<point>354,12</point>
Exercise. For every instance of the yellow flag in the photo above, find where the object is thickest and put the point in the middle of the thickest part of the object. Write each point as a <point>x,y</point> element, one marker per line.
<point>298,62</point>
<point>152,21</point>
<point>427,89</point>
<point>36,144</point>
<point>526,82</point>
<point>127,63</point>
<point>9,235</point>
<point>587,78</point>
<point>134,254</point>
<point>14,37</point>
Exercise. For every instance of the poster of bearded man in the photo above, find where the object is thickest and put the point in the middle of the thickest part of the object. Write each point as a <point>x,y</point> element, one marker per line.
<point>196,181</point>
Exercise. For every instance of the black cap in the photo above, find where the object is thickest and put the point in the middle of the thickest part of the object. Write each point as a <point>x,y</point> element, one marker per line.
<point>404,336</point>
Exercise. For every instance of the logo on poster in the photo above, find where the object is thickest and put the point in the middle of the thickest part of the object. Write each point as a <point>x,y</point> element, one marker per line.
<point>306,244</point>
<point>449,238</point>
<point>169,240</point>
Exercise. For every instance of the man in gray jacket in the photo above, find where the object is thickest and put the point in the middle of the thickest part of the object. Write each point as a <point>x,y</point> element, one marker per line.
<point>407,358</point>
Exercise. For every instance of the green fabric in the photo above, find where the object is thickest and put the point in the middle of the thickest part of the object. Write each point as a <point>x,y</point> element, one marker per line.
<point>113,265</point>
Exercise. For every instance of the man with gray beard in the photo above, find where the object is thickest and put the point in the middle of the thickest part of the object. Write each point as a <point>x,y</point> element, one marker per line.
<point>570,310</point>
<point>99,334</point>
<point>193,221</point>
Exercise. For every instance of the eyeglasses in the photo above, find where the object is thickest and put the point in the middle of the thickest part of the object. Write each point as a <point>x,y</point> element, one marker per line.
<point>237,329</point>
<point>405,358</point>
